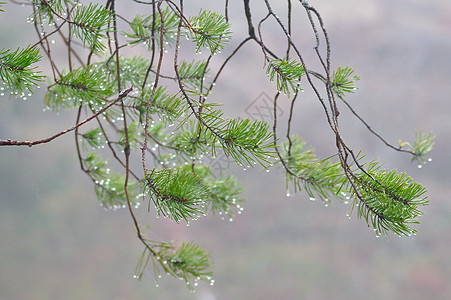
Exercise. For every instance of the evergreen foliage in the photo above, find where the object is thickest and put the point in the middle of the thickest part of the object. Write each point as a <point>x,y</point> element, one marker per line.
<point>287,73</point>
<point>16,69</point>
<point>343,81</point>
<point>389,201</point>
<point>210,29</point>
<point>139,110</point>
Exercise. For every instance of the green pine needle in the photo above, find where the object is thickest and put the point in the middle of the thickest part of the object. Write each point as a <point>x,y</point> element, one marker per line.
<point>141,28</point>
<point>388,200</point>
<point>286,72</point>
<point>421,147</point>
<point>343,81</point>
<point>90,25</point>
<point>247,141</point>
<point>210,29</point>
<point>109,186</point>
<point>83,86</point>
<point>177,194</point>
<point>224,190</point>
<point>16,69</point>
<point>187,262</point>
<point>321,179</point>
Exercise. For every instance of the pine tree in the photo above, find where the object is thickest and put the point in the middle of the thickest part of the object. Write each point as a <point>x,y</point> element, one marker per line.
<point>138,109</point>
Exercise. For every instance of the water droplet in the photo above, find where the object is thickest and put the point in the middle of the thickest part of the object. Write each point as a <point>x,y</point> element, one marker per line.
<point>420,166</point>
<point>288,194</point>
<point>429,159</point>
<point>312,199</point>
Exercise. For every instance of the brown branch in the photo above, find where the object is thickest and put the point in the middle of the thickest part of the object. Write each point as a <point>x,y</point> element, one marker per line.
<point>49,139</point>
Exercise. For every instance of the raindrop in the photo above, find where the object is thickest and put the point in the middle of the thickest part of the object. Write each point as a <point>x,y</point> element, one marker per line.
<point>312,199</point>
<point>429,159</point>
<point>420,166</point>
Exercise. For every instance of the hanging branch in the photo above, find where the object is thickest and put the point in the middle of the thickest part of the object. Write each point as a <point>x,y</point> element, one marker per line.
<point>49,139</point>
<point>168,119</point>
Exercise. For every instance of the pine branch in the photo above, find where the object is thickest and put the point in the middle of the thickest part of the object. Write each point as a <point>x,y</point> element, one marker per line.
<point>247,141</point>
<point>49,139</point>
<point>388,200</point>
<point>110,189</point>
<point>343,81</point>
<point>93,138</point>
<point>421,147</point>
<point>210,29</point>
<point>176,194</point>
<point>186,130</point>
<point>287,73</point>
<point>16,70</point>
<point>319,178</point>
<point>187,262</point>
<point>48,9</point>
<point>83,86</point>
<point>90,25</point>
<point>192,74</point>
<point>168,107</point>
<point>146,28</point>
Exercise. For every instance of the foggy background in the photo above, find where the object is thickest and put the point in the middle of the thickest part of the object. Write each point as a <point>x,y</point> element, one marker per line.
<point>56,242</point>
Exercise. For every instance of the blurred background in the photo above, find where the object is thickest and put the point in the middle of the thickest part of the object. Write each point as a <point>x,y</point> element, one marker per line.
<point>56,242</point>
